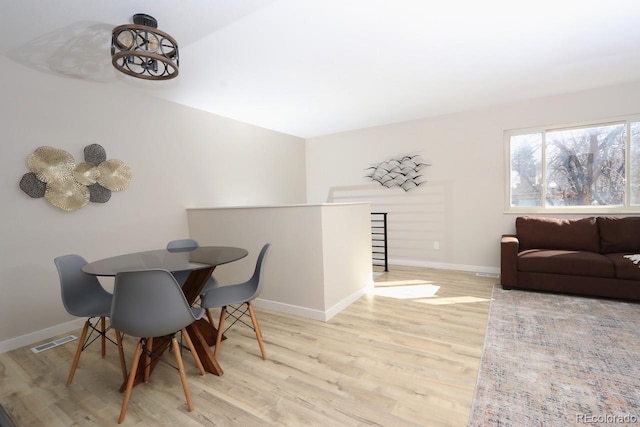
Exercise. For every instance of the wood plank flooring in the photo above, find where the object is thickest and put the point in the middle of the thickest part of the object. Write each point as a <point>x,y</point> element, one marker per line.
<point>405,355</point>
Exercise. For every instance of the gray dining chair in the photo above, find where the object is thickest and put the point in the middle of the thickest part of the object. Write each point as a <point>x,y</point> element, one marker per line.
<point>84,296</point>
<point>148,304</point>
<point>239,298</point>
<point>182,245</point>
<point>185,245</point>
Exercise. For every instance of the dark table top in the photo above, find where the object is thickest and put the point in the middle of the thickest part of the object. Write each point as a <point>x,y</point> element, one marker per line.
<point>181,260</point>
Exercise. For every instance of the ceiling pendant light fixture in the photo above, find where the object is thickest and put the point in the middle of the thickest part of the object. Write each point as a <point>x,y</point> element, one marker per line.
<point>141,50</point>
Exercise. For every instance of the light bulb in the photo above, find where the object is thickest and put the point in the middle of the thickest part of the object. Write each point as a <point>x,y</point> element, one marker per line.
<point>153,42</point>
<point>125,39</point>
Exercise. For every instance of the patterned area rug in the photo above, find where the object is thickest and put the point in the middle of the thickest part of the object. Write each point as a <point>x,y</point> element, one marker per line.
<point>556,360</point>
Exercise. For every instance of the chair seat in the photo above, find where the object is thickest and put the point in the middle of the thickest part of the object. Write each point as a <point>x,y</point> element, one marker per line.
<point>227,295</point>
<point>98,306</point>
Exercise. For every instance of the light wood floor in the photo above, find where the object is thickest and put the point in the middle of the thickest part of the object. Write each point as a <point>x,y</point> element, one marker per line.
<point>406,355</point>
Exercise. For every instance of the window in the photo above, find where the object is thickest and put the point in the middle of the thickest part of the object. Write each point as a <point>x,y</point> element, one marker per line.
<point>575,169</point>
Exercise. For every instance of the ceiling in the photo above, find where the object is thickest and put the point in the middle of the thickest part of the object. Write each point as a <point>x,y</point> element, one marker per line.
<point>315,67</point>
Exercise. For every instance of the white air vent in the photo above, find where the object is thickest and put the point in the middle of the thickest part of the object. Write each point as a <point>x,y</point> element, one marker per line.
<point>52,344</point>
<point>494,275</point>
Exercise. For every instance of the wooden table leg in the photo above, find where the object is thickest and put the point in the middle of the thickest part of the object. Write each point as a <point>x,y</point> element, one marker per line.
<point>195,283</point>
<point>202,333</point>
<point>202,346</point>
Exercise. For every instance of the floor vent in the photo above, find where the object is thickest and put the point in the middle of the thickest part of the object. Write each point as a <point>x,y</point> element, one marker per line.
<point>493,275</point>
<point>52,344</point>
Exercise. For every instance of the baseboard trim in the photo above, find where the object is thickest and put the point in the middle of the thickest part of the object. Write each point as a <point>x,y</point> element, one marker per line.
<point>41,335</point>
<point>310,313</point>
<point>296,310</point>
<point>445,266</point>
<point>63,328</point>
<point>346,302</point>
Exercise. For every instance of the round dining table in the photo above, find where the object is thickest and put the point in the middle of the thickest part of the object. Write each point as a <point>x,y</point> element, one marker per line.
<point>189,259</point>
<point>199,263</point>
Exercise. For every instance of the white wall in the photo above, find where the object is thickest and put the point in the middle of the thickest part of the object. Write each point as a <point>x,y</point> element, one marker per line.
<point>466,152</point>
<point>319,261</point>
<point>346,247</point>
<point>181,157</point>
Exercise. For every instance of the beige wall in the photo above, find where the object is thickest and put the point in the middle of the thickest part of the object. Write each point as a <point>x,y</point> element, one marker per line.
<point>183,157</point>
<point>180,157</point>
<point>320,256</point>
<point>346,247</point>
<point>466,176</point>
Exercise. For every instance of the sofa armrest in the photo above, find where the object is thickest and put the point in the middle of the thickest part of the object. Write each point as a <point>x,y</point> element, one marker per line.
<point>509,245</point>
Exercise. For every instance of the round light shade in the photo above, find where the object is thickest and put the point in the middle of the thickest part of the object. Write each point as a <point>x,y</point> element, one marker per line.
<point>140,50</point>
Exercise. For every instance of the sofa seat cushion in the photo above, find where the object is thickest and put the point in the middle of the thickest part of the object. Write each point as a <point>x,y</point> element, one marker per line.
<point>577,263</point>
<point>625,268</point>
<point>554,233</point>
<point>619,234</point>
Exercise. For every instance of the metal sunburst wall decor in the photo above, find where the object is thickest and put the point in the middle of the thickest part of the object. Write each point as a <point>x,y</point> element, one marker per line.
<point>69,186</point>
<point>403,172</point>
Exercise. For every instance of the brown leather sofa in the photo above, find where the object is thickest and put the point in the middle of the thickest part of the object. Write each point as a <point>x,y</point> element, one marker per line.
<point>583,256</point>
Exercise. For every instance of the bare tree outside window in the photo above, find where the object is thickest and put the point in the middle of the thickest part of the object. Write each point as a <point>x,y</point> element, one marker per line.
<point>585,167</point>
<point>576,167</point>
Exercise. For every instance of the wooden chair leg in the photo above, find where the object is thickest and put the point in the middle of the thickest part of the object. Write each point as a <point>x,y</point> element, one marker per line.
<point>123,363</point>
<point>210,317</point>
<point>103,330</point>
<point>76,358</point>
<point>192,349</point>
<point>223,315</point>
<point>252,314</point>
<point>132,377</point>
<point>256,328</point>
<point>147,359</point>
<point>183,377</point>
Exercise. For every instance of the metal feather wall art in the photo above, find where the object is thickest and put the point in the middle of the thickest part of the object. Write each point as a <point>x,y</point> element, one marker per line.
<point>69,186</point>
<point>403,172</point>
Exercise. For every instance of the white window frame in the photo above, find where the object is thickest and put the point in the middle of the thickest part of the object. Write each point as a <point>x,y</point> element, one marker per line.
<point>594,210</point>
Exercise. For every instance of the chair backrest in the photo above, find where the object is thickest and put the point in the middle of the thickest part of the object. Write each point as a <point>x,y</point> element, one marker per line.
<point>79,290</point>
<point>182,245</point>
<point>256,279</point>
<point>150,303</point>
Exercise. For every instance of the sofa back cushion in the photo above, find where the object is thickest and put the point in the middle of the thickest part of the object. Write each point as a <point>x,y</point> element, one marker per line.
<point>554,233</point>
<point>619,235</point>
